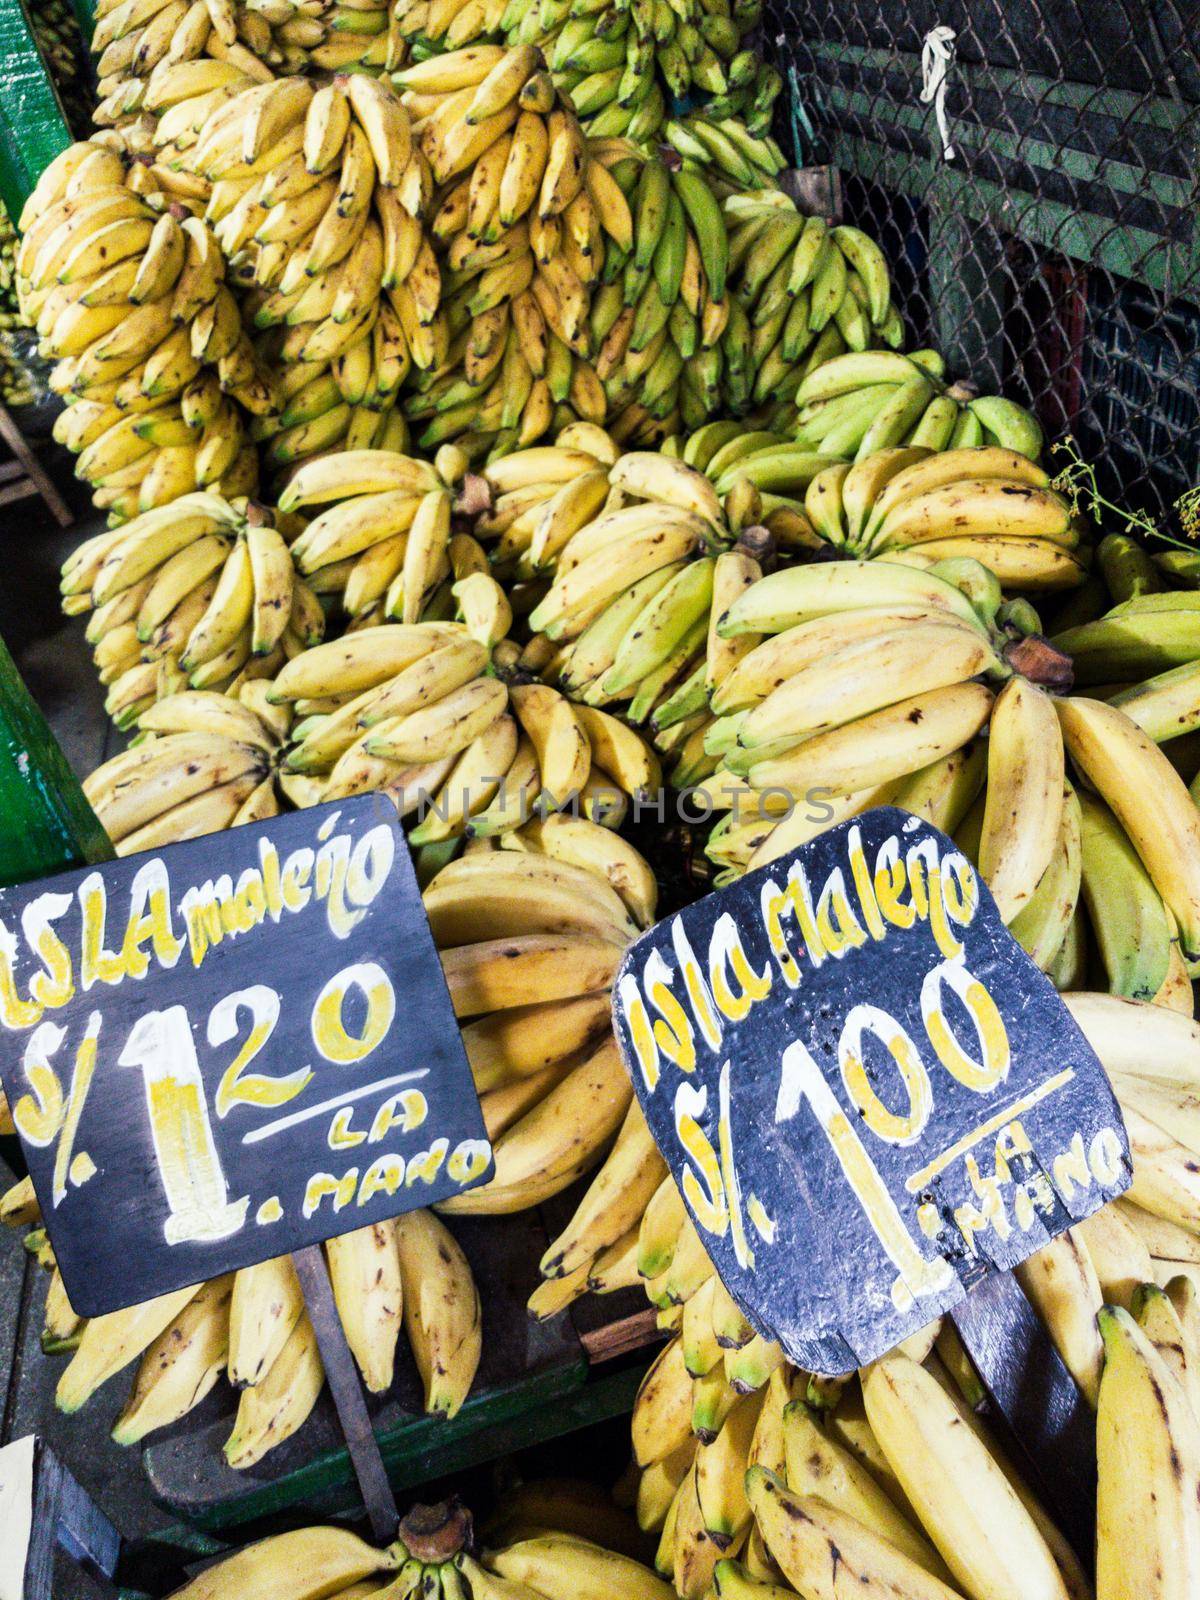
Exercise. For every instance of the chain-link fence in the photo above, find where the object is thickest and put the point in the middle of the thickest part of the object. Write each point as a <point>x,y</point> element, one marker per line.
<point>1055,253</point>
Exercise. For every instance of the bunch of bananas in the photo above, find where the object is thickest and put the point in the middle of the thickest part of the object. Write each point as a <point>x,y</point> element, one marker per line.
<point>531,936</point>
<point>176,52</point>
<point>802,293</point>
<point>579,277</point>
<point>314,196</point>
<point>730,155</point>
<point>866,401</point>
<point>207,762</point>
<point>1138,1339</point>
<point>251,1326</point>
<point>732,1441</point>
<point>626,65</point>
<point>661,530</point>
<point>220,42</point>
<point>821,707</point>
<point>661,329</point>
<point>919,507</point>
<point>408,709</point>
<point>435,1557</point>
<point>202,591</point>
<point>384,540</point>
<point>130,300</point>
<point>414,710</point>
<point>519,220</point>
<point>16,386</point>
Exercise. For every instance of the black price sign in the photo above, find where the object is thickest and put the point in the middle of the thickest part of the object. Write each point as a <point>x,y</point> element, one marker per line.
<point>231,1048</point>
<point>869,1095</point>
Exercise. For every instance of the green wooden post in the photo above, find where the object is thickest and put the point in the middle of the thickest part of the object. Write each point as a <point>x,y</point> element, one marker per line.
<point>33,129</point>
<point>46,824</point>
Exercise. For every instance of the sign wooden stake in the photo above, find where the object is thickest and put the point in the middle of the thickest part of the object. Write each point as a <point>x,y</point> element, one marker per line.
<point>1040,1403</point>
<point>341,1374</point>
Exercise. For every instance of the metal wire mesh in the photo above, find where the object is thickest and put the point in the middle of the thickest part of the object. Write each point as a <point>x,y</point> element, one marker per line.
<point>1056,256</point>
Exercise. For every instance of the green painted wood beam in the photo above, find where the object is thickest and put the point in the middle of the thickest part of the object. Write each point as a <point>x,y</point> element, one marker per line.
<point>1166,264</point>
<point>1121,104</point>
<point>1163,265</point>
<point>33,129</point>
<point>1121,176</point>
<point>48,825</point>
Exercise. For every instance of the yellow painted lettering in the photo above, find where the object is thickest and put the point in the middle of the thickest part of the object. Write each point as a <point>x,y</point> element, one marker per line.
<point>839,927</point>
<point>384,1176</point>
<point>329,1031</point>
<point>295,890</point>
<point>697,990</point>
<point>38,1116</point>
<point>900,1128</point>
<point>54,985</point>
<point>863,885</point>
<point>341,1135</point>
<point>96,964</point>
<point>469,1160</point>
<point>406,1111</point>
<point>995,1056</point>
<point>1071,1169</point>
<point>673,1031</point>
<point>426,1164</point>
<point>729,964</point>
<point>150,920</point>
<point>773,903</point>
<point>641,1035</point>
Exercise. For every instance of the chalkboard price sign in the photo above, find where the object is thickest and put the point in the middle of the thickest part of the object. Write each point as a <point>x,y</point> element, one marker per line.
<point>230,1049</point>
<point>869,1095</point>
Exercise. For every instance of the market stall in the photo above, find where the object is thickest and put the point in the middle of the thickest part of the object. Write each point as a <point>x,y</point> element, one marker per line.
<point>610,845</point>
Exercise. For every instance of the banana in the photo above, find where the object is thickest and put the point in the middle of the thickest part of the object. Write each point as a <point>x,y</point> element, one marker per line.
<point>494,975</point>
<point>1060,1282</point>
<point>1131,926</point>
<point>1148,798</point>
<point>181,1366</point>
<point>967,1506</point>
<point>558,1139</point>
<point>793,595</point>
<point>111,1342</point>
<point>596,849</point>
<point>266,1304</point>
<point>305,1564</point>
<point>864,677</point>
<point>880,746</point>
<point>178,769</point>
<point>1023,811</point>
<point>614,1201</point>
<point>822,1549</point>
<point>364,1271</point>
<point>442,1316</point>
<point>577,1567</point>
<point>1148,1455</point>
<point>276,1406</point>
<point>817,1464</point>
